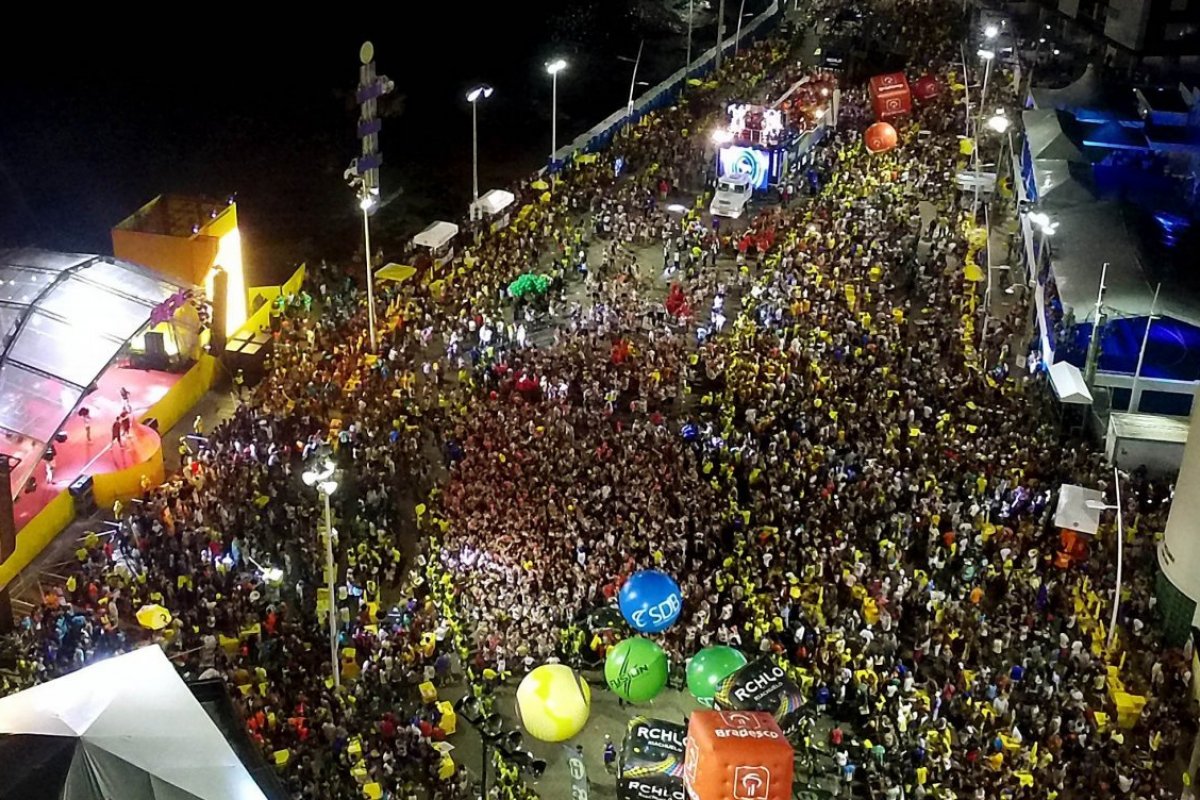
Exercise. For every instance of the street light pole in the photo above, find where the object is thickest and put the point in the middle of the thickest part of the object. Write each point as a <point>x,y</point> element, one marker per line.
<point>322,480</point>
<point>1112,624</point>
<point>473,97</point>
<point>1134,397</point>
<point>1101,506</point>
<point>330,574</point>
<point>1093,351</point>
<point>987,56</point>
<point>474,152</point>
<point>633,80</point>
<point>687,67</point>
<point>737,36</point>
<point>720,35</point>
<point>365,202</point>
<point>554,67</point>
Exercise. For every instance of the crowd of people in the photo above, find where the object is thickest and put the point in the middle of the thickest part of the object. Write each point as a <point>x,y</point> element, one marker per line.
<point>807,436</point>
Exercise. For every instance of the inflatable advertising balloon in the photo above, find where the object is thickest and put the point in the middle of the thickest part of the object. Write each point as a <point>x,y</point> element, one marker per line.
<point>709,668</point>
<point>927,88</point>
<point>737,755</point>
<point>650,601</point>
<point>636,669</point>
<point>651,764</point>
<point>553,703</point>
<point>762,685</point>
<point>880,138</point>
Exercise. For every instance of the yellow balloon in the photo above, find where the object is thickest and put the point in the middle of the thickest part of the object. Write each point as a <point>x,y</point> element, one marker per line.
<point>553,703</point>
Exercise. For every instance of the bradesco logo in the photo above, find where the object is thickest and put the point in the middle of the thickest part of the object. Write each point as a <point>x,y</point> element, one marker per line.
<point>653,791</point>
<point>751,783</point>
<point>743,726</point>
<point>660,614</point>
<point>667,738</point>
<point>761,683</point>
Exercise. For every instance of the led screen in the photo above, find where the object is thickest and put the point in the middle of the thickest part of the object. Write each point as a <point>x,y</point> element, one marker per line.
<point>756,163</point>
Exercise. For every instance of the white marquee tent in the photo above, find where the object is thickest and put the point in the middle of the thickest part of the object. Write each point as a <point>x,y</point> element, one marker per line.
<point>126,728</point>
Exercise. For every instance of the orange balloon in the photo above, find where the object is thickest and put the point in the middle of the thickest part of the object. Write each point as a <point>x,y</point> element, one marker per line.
<point>880,138</point>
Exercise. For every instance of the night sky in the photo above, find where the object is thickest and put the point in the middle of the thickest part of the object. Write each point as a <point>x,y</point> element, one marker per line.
<point>99,122</point>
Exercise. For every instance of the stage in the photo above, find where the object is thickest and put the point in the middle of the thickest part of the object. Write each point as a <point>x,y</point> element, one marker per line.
<point>100,455</point>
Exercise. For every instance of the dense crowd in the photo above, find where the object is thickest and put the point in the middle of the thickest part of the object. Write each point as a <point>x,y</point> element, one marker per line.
<point>805,434</point>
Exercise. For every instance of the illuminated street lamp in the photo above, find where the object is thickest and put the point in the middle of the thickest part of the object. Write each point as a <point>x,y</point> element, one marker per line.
<point>999,123</point>
<point>554,67</point>
<point>991,32</point>
<point>481,92</point>
<point>322,479</point>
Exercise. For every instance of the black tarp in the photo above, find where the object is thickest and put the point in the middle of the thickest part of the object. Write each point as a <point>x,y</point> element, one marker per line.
<point>762,685</point>
<point>33,766</point>
<point>652,760</point>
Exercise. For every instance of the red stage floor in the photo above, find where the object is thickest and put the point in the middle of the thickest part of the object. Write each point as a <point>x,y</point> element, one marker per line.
<point>77,455</point>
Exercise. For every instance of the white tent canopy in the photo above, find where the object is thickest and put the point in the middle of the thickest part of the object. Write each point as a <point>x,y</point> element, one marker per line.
<point>125,728</point>
<point>1087,91</point>
<point>495,201</point>
<point>437,235</point>
<point>1073,512</point>
<point>1044,133</point>
<point>1069,385</point>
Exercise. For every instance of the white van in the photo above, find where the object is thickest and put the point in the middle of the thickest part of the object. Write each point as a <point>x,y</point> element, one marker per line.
<point>733,193</point>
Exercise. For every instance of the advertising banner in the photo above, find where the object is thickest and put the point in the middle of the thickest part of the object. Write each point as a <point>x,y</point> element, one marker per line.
<point>762,685</point>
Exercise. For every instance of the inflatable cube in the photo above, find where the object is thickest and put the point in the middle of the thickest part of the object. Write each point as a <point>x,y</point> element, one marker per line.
<point>737,755</point>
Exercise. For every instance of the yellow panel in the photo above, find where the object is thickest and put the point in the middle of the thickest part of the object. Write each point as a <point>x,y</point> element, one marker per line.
<point>37,533</point>
<point>183,396</point>
<point>127,483</point>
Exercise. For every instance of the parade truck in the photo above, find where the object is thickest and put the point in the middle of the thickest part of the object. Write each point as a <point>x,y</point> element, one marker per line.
<point>732,195</point>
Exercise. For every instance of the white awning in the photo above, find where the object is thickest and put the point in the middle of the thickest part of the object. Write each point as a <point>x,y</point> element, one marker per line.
<point>495,201</point>
<point>1073,512</point>
<point>437,235</point>
<point>1068,384</point>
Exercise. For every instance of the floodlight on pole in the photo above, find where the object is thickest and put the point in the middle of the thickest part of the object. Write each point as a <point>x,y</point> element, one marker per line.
<point>326,485</point>
<point>481,92</point>
<point>554,67</point>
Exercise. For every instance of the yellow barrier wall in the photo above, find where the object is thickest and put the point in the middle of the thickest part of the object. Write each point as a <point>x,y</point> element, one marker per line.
<point>39,532</point>
<point>186,392</point>
<point>127,483</point>
<point>260,319</point>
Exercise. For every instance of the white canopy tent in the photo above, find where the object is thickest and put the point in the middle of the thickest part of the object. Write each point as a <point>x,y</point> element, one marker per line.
<point>494,202</point>
<point>1046,138</point>
<point>437,235</point>
<point>1073,512</point>
<point>1069,384</point>
<point>125,728</point>
<point>1086,92</point>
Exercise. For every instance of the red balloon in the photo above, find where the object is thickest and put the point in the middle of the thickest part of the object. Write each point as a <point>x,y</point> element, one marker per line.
<point>880,137</point>
<point>927,88</point>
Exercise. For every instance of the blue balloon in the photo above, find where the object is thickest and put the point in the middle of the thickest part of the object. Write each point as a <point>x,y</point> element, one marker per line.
<point>650,601</point>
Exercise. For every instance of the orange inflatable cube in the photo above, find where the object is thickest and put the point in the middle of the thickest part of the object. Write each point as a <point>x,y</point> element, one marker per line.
<point>737,755</point>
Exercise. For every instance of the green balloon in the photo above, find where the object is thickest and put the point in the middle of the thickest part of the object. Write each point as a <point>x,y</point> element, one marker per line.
<point>636,669</point>
<point>709,668</point>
